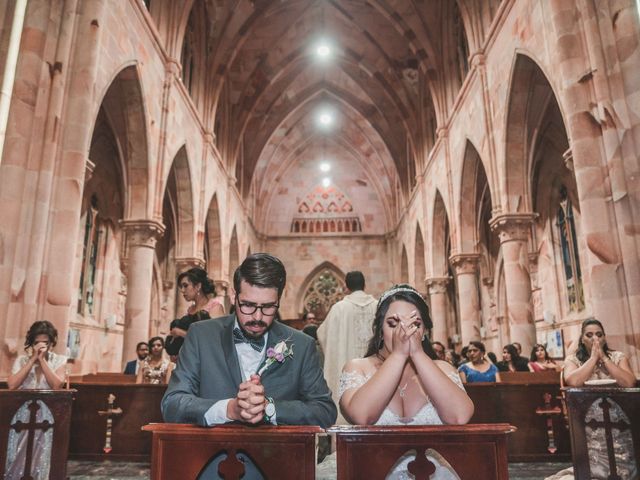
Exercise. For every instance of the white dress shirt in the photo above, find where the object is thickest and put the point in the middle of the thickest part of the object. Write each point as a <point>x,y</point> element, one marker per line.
<point>249,359</point>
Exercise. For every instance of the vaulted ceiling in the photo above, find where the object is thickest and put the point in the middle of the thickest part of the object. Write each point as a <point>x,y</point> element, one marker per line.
<point>393,72</point>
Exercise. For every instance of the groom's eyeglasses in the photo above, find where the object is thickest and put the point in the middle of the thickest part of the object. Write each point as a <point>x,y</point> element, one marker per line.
<point>249,308</point>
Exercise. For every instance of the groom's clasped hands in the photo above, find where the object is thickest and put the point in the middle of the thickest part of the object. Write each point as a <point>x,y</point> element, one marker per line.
<point>250,402</point>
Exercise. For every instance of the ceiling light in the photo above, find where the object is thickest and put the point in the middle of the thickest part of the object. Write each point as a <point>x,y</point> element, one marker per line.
<point>323,50</point>
<point>326,182</point>
<point>325,167</point>
<point>325,119</point>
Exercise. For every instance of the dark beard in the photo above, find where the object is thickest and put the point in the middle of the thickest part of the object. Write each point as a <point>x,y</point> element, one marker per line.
<point>254,323</point>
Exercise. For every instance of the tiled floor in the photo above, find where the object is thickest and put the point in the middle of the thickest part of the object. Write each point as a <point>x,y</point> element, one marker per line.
<point>83,470</point>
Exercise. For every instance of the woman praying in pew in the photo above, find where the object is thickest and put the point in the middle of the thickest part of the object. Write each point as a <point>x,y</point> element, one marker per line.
<point>40,368</point>
<point>400,382</point>
<point>594,360</point>
<point>540,359</point>
<point>594,363</point>
<point>155,369</point>
<point>478,368</point>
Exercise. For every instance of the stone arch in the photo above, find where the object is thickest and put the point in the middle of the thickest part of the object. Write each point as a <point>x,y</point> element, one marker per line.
<point>473,186</point>
<point>234,252</point>
<point>213,240</point>
<point>529,96</point>
<point>404,265</point>
<point>178,187</point>
<point>440,238</point>
<point>124,106</point>
<point>330,297</point>
<point>419,261</point>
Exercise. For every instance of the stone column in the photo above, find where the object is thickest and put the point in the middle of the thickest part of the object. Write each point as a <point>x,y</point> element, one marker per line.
<point>142,236</point>
<point>465,266</point>
<point>182,265</point>
<point>222,289</point>
<point>437,287</point>
<point>514,230</point>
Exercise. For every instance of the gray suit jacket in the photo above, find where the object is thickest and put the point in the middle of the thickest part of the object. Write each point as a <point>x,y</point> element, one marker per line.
<point>208,370</point>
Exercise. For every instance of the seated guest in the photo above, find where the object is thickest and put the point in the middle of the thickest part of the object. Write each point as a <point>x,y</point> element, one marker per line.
<point>142,350</point>
<point>464,357</point>
<point>438,349</point>
<point>39,368</point>
<point>478,368</point>
<point>540,359</point>
<point>155,369</point>
<point>452,357</point>
<point>511,361</point>
<point>242,368</point>
<point>400,381</point>
<point>518,346</point>
<point>595,360</point>
<point>492,357</point>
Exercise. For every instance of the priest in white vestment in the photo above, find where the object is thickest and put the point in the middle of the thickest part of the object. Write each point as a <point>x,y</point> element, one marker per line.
<point>345,331</point>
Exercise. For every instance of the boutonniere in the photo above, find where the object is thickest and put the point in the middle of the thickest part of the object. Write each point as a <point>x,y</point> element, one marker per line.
<point>278,353</point>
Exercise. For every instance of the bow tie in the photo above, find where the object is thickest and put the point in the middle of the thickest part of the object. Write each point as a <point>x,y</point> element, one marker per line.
<point>239,337</point>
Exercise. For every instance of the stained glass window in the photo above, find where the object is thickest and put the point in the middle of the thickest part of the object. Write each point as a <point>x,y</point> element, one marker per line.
<point>324,290</point>
<point>89,259</point>
<point>570,255</point>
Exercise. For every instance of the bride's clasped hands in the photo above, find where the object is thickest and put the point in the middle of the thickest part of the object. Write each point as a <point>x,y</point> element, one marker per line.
<point>400,372</point>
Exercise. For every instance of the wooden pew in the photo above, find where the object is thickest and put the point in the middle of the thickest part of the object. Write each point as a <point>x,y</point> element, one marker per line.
<point>183,451</point>
<point>473,451</point>
<point>59,404</point>
<point>618,436</point>
<point>530,378</point>
<point>104,377</point>
<point>534,408</point>
<point>140,405</point>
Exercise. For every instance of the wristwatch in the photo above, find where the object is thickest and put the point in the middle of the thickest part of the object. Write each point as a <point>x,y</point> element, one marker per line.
<point>269,410</point>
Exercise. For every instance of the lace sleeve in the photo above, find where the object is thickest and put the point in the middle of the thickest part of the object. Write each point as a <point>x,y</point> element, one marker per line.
<point>455,378</point>
<point>20,362</point>
<point>349,380</point>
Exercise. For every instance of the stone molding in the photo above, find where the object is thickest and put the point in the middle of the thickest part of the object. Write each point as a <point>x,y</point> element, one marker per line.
<point>185,263</point>
<point>567,156</point>
<point>437,285</point>
<point>465,263</point>
<point>222,287</point>
<point>513,226</point>
<point>478,59</point>
<point>142,233</point>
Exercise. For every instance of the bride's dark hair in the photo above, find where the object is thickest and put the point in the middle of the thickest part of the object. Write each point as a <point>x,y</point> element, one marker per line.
<point>409,294</point>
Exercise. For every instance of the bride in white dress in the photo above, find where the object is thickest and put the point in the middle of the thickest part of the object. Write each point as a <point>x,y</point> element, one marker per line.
<point>400,382</point>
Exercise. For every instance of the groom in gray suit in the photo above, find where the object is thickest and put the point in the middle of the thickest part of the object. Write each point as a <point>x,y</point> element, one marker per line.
<point>249,367</point>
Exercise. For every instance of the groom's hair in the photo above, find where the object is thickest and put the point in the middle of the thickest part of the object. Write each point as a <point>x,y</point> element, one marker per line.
<point>261,270</point>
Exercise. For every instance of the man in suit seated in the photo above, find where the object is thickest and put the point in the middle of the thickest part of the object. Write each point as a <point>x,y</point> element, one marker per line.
<point>142,350</point>
<point>242,367</point>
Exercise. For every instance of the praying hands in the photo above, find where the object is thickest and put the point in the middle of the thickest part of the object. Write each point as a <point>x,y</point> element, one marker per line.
<point>250,402</point>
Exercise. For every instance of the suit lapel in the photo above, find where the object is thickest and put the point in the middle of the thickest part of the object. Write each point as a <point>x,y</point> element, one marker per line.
<point>276,334</point>
<point>230,354</point>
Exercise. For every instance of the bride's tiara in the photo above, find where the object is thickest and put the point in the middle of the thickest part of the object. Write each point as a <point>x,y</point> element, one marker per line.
<point>403,287</point>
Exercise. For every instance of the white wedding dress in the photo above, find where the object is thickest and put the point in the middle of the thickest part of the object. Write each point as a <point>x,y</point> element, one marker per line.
<point>427,415</point>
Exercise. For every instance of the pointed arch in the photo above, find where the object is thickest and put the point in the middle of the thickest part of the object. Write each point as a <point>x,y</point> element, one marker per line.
<point>178,187</point>
<point>530,95</point>
<point>213,240</point>
<point>123,105</point>
<point>404,265</point>
<point>234,252</point>
<point>321,288</point>
<point>419,261</point>
<point>440,238</point>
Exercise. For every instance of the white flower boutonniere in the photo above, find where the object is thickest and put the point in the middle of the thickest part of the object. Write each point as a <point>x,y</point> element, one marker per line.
<point>278,353</point>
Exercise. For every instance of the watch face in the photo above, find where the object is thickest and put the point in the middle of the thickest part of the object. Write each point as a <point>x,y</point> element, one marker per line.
<point>270,409</point>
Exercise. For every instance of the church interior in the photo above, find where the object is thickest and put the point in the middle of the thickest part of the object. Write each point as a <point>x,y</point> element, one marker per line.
<point>485,152</point>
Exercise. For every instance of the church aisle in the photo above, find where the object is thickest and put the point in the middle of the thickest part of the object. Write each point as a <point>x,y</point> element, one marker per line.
<point>85,470</point>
